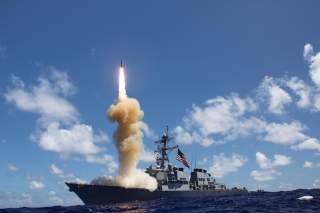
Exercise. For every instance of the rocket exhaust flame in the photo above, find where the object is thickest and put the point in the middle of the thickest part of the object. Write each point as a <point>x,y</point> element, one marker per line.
<point>122,84</point>
<point>128,140</point>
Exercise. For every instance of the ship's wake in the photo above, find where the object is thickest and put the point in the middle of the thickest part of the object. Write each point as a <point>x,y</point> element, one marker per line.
<point>126,112</point>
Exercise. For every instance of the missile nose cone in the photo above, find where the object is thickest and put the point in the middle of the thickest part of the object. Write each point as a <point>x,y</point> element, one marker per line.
<point>121,64</point>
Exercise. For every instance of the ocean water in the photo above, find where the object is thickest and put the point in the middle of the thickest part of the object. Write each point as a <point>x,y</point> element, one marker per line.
<point>254,202</point>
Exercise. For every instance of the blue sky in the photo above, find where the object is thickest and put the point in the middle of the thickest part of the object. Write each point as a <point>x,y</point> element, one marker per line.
<point>238,83</point>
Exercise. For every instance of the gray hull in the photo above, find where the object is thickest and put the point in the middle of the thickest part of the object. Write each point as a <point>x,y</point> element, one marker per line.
<point>100,195</point>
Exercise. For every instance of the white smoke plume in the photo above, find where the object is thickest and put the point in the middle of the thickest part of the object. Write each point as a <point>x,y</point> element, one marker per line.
<point>127,114</point>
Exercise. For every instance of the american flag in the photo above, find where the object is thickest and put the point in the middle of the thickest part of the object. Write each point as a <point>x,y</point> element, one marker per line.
<point>180,157</point>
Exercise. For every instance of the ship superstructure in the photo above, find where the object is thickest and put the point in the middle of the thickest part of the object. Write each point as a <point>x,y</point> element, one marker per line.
<point>170,177</point>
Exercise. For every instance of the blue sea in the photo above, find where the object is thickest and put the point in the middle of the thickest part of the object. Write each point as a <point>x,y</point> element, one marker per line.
<point>254,202</point>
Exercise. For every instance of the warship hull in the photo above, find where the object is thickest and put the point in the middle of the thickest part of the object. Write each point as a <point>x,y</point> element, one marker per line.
<point>100,195</point>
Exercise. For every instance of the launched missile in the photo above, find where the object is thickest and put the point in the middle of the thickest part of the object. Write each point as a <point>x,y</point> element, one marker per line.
<point>122,82</point>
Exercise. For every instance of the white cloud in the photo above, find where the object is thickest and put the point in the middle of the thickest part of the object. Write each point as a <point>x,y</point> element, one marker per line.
<point>147,155</point>
<point>309,144</point>
<point>308,95</point>
<point>267,166</point>
<point>59,128</point>
<point>69,177</point>
<point>281,160</point>
<point>225,119</point>
<point>101,137</point>
<point>307,51</point>
<point>223,165</point>
<point>183,136</point>
<point>302,90</point>
<point>62,81</point>
<point>265,163</point>
<point>308,164</point>
<point>284,133</point>
<point>314,66</point>
<point>34,184</point>
<point>316,100</point>
<point>147,131</point>
<point>76,140</point>
<point>12,168</point>
<point>278,98</point>
<point>78,180</point>
<point>45,98</point>
<point>220,115</point>
<point>311,165</point>
<point>55,170</point>
<point>264,175</point>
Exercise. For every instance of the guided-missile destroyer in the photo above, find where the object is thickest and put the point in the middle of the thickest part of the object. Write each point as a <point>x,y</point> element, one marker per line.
<point>172,182</point>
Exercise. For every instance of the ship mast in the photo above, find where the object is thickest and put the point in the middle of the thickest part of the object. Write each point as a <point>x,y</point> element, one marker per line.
<point>163,149</point>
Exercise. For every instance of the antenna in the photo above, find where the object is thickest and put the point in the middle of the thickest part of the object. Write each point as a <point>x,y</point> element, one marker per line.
<point>163,149</point>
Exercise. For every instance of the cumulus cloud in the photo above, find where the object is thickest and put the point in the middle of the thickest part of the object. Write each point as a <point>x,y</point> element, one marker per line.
<point>284,133</point>
<point>218,116</point>
<point>308,51</point>
<point>147,155</point>
<point>281,160</point>
<point>59,128</point>
<point>101,137</point>
<point>188,136</point>
<point>78,139</point>
<point>147,131</point>
<point>265,163</point>
<point>34,184</point>
<point>223,165</point>
<point>311,165</point>
<point>46,99</point>
<point>207,125</point>
<point>69,177</point>
<point>309,144</point>
<point>12,167</point>
<point>314,63</point>
<point>316,102</point>
<point>277,97</point>
<point>226,121</point>
<point>264,175</point>
<point>222,119</point>
<point>55,170</point>
<point>302,90</point>
<point>267,166</point>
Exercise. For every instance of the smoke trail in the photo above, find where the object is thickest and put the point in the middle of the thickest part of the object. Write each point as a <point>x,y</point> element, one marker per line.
<point>127,114</point>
